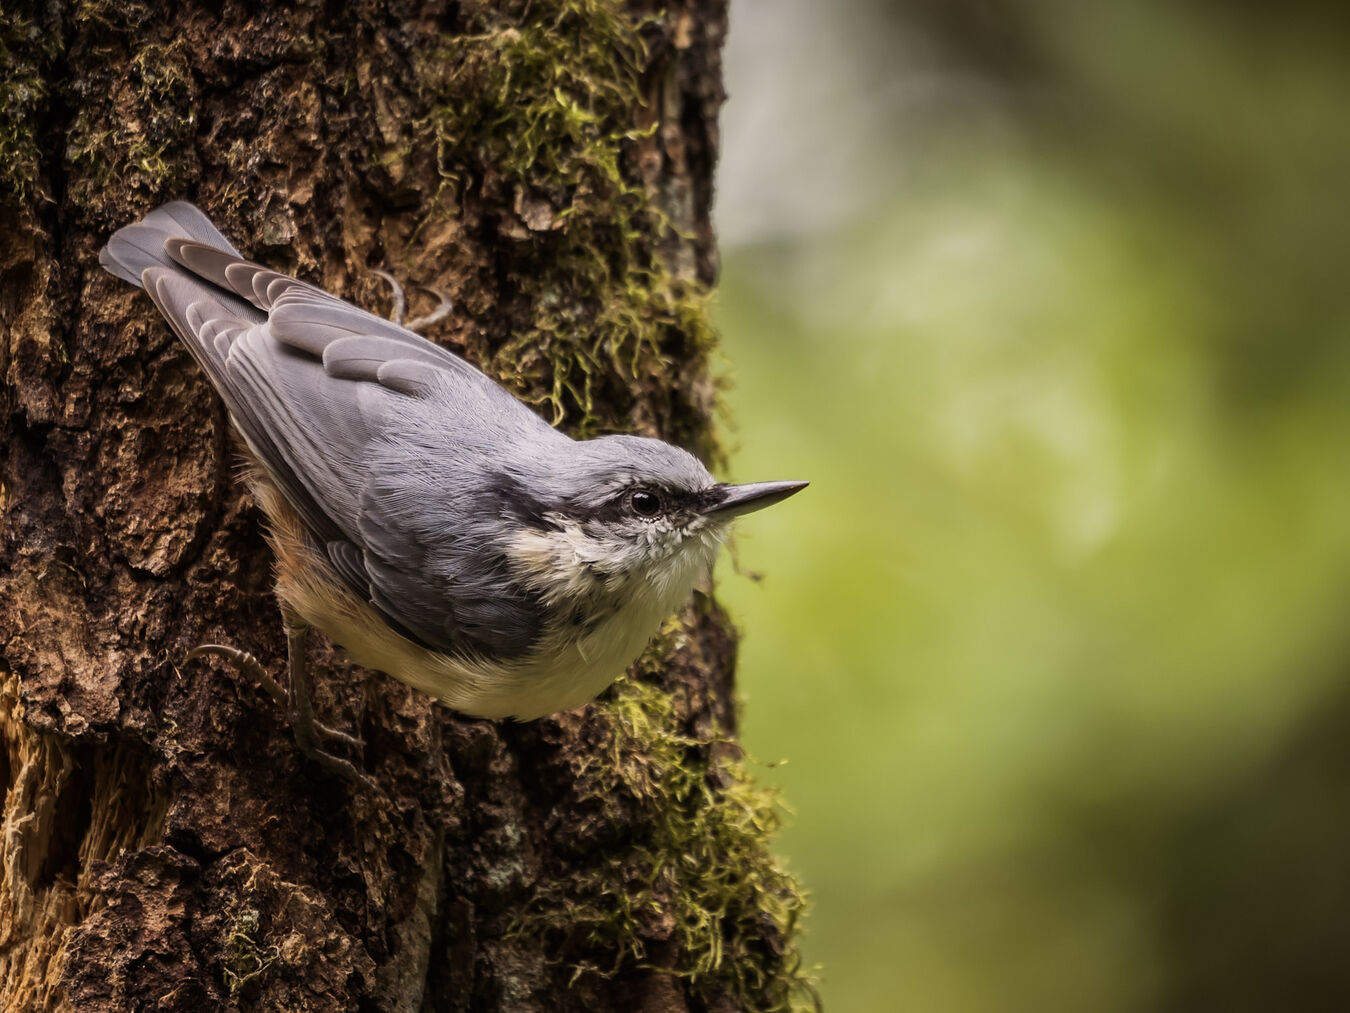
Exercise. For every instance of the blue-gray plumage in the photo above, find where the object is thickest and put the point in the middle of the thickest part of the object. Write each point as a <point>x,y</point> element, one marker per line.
<point>423,517</point>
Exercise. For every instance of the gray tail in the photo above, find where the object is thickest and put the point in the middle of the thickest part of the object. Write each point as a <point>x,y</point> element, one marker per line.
<point>135,247</point>
<point>186,268</point>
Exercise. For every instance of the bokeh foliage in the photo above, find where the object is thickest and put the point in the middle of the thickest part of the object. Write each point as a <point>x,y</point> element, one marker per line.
<point>1055,643</point>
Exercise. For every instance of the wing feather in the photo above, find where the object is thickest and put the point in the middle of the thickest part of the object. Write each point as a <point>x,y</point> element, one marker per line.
<point>378,438</point>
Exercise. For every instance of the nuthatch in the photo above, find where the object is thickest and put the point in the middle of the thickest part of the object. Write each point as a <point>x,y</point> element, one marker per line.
<point>421,516</point>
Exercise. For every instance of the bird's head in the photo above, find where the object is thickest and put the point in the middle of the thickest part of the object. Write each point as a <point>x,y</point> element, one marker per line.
<point>629,514</point>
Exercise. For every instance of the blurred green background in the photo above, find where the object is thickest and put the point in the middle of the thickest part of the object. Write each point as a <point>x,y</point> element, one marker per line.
<point>1049,301</point>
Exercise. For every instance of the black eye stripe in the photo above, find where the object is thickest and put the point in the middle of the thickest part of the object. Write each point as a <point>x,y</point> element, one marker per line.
<point>619,506</point>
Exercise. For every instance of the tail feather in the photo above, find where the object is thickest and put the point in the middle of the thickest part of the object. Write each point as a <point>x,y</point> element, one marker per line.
<point>214,299</point>
<point>136,247</point>
<point>184,219</point>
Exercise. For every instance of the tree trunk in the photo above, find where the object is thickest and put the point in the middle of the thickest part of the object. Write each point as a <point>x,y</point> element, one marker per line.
<point>166,847</point>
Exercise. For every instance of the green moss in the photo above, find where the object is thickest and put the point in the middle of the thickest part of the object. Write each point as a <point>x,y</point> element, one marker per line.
<point>25,49</point>
<point>245,959</point>
<point>539,105</point>
<point>537,121</point>
<point>135,134</point>
<point>555,84</point>
<point>697,872</point>
<point>149,148</point>
<point>113,15</point>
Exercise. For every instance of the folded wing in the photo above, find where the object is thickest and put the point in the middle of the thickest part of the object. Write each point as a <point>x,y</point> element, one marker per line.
<point>374,434</point>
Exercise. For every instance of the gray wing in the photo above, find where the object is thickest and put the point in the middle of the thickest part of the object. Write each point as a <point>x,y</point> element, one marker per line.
<point>382,441</point>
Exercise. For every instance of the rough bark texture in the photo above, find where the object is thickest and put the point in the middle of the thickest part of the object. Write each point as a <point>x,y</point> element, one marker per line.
<point>165,846</point>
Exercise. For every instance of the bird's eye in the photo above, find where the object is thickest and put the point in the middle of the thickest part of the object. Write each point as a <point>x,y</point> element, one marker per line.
<point>644,503</point>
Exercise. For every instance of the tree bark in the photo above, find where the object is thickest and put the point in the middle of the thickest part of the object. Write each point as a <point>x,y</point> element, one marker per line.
<point>166,847</point>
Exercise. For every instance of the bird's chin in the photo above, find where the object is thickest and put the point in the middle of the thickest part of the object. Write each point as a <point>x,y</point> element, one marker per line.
<point>700,553</point>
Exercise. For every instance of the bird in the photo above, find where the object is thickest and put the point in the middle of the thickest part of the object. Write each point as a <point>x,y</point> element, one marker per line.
<point>421,516</point>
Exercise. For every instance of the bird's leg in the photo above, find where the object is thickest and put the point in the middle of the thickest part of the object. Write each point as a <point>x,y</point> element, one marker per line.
<point>296,702</point>
<point>301,712</point>
<point>401,305</point>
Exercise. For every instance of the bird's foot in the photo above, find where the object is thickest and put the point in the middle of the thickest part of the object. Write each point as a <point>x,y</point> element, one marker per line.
<point>245,663</point>
<point>307,729</point>
<point>400,307</point>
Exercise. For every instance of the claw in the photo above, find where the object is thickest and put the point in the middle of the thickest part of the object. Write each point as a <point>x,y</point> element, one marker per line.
<point>246,663</point>
<point>400,304</point>
<point>443,309</point>
<point>400,307</point>
<point>296,703</point>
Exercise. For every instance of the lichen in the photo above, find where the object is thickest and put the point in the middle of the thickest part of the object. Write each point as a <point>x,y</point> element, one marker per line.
<point>535,104</point>
<point>697,871</point>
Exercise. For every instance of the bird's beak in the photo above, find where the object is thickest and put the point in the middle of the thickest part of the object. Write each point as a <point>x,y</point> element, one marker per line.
<point>733,500</point>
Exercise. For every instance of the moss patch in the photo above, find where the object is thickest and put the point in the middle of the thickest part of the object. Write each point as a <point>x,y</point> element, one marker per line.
<point>696,880</point>
<point>541,123</point>
<point>533,110</point>
<point>25,49</point>
<point>132,139</point>
<point>244,958</point>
